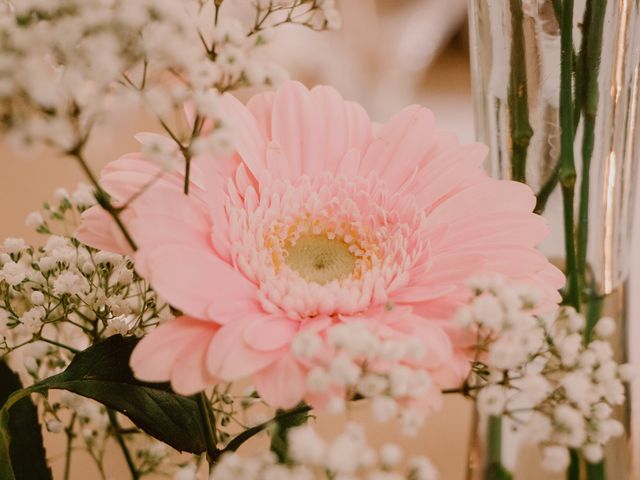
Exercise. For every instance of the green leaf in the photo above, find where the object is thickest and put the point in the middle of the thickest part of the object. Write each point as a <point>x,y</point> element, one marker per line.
<point>285,421</point>
<point>102,373</point>
<point>22,454</point>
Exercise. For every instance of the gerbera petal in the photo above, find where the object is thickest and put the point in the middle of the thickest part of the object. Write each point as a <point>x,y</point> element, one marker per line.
<point>282,384</point>
<point>496,196</point>
<point>249,140</point>
<point>350,163</point>
<point>277,161</point>
<point>448,173</point>
<point>168,216</point>
<point>270,333</point>
<point>198,282</point>
<point>456,373</point>
<point>155,356</point>
<point>516,228</point>
<point>293,128</point>
<point>401,146</point>
<point>230,357</point>
<point>420,293</point>
<point>99,230</point>
<point>189,374</point>
<point>261,107</point>
<point>360,128</point>
<point>332,129</point>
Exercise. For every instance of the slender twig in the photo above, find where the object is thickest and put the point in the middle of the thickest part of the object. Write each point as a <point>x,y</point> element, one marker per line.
<point>67,456</point>
<point>113,420</point>
<point>142,189</point>
<point>198,123</point>
<point>241,438</point>
<point>102,196</point>
<point>58,344</point>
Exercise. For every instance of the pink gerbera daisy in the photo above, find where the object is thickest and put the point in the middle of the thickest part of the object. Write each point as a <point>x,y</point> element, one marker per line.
<point>321,216</point>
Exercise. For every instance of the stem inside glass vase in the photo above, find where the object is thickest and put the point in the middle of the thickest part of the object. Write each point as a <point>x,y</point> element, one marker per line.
<point>556,99</point>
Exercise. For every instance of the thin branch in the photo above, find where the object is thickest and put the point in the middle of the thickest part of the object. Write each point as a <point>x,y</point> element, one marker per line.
<point>243,437</point>
<point>102,196</point>
<point>67,456</point>
<point>113,420</point>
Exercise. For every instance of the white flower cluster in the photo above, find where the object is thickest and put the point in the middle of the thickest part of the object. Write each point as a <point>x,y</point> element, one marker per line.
<point>66,295</point>
<point>88,424</point>
<point>347,457</point>
<point>361,365</point>
<point>60,59</point>
<point>57,300</point>
<point>63,62</point>
<point>544,371</point>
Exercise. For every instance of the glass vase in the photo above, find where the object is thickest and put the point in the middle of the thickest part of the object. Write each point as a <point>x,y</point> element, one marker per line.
<point>515,58</point>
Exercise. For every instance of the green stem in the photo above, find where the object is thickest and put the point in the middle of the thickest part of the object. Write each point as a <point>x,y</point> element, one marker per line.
<point>67,456</point>
<point>60,345</point>
<point>495,469</point>
<point>208,422</point>
<point>187,173</point>
<point>591,53</point>
<point>573,473</point>
<point>521,131</point>
<point>103,197</point>
<point>542,197</point>
<point>596,471</point>
<point>567,173</point>
<point>495,440</point>
<point>198,123</point>
<point>241,438</point>
<point>592,315</point>
<point>113,420</point>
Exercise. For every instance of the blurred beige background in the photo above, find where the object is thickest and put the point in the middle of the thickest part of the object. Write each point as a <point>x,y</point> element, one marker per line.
<point>390,53</point>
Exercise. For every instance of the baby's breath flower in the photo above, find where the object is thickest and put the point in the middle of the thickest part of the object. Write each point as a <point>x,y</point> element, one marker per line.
<point>541,371</point>
<point>555,458</point>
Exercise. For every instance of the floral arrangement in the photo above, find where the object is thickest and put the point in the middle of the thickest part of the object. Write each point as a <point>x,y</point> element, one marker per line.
<point>258,263</point>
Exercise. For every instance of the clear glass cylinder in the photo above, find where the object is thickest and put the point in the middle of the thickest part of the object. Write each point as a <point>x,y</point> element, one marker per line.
<point>515,57</point>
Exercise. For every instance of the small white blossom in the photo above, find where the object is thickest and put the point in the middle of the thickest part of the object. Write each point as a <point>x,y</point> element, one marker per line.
<point>14,245</point>
<point>411,421</point>
<point>188,472</point>
<point>32,320</point>
<point>306,344</point>
<point>116,326</point>
<point>390,455</point>
<point>37,297</point>
<point>306,446</point>
<point>492,400</point>
<point>55,426</point>
<point>593,452</point>
<point>68,283</point>
<point>13,273</point>
<point>421,468</point>
<point>605,327</point>
<point>34,220</point>
<point>555,458</point>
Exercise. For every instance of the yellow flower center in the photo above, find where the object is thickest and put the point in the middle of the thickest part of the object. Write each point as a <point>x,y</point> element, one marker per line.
<point>320,259</point>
